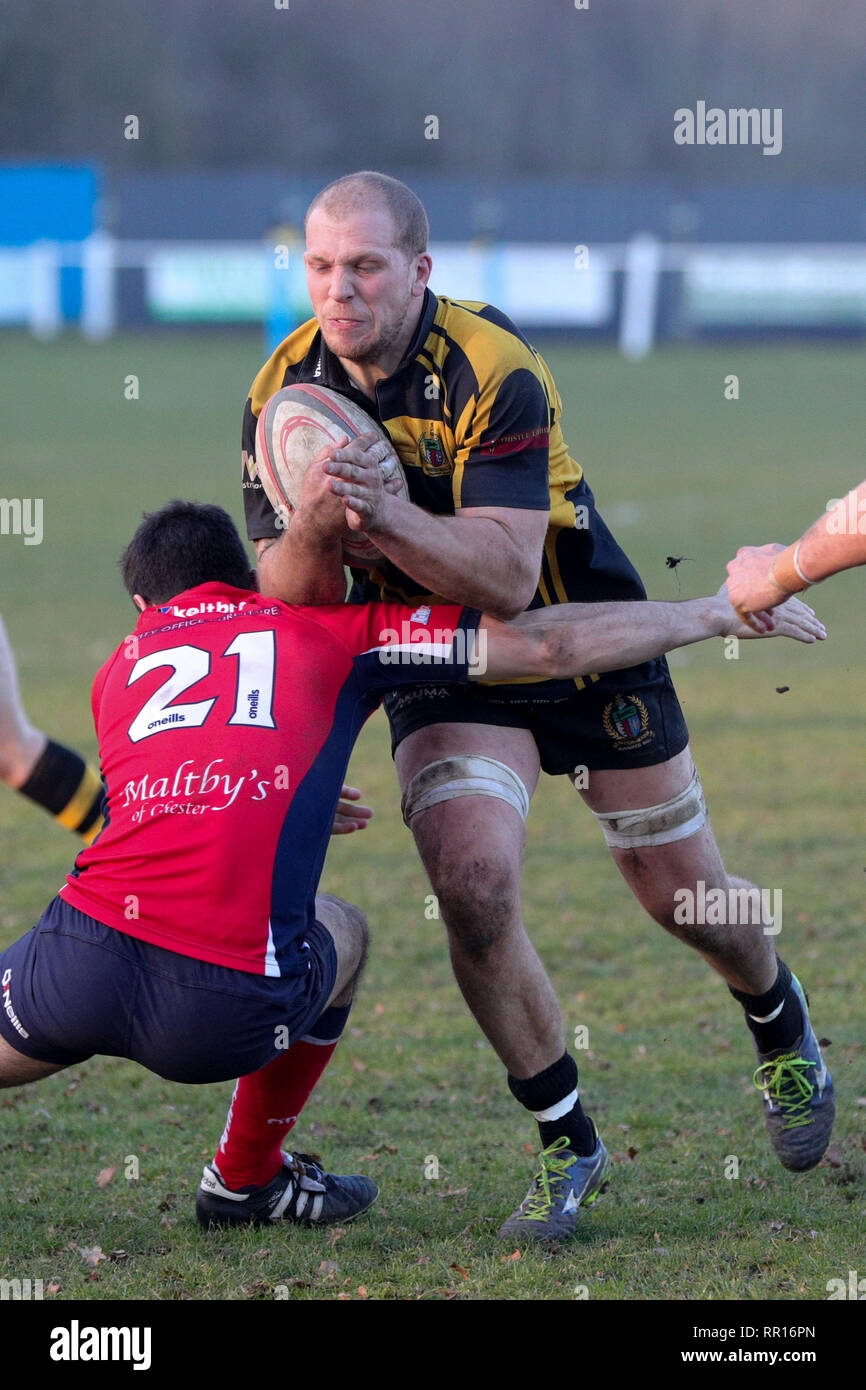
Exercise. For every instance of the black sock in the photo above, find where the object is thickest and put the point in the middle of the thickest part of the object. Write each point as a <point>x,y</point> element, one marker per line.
<point>551,1088</point>
<point>68,788</point>
<point>779,1033</point>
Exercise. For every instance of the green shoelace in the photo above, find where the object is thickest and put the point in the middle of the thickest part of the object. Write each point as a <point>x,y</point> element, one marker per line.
<point>553,1169</point>
<point>784,1080</point>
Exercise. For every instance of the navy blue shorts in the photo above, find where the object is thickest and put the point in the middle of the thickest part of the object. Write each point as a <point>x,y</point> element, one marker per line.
<point>72,987</point>
<point>624,719</point>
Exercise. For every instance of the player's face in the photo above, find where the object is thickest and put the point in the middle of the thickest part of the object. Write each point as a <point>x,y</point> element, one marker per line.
<point>364,290</point>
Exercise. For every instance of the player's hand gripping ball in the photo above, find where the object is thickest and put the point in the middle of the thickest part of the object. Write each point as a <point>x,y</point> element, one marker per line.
<point>294,425</point>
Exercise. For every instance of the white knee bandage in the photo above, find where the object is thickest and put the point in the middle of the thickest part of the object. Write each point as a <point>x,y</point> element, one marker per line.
<point>656,825</point>
<point>467,775</point>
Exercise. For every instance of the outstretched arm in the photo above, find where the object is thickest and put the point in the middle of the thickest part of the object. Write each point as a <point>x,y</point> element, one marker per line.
<point>574,639</point>
<point>762,576</point>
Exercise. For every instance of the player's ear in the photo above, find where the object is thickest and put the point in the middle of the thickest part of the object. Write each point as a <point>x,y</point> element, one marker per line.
<point>423,267</point>
<point>140,603</point>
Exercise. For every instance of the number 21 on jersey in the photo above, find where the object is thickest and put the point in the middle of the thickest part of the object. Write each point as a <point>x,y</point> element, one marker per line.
<point>255,653</point>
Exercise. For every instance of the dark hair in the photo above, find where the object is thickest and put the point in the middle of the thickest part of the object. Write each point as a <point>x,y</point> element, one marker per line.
<point>354,192</point>
<point>180,546</point>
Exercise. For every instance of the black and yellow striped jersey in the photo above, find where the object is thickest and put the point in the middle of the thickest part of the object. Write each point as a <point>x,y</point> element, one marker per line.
<point>475,417</point>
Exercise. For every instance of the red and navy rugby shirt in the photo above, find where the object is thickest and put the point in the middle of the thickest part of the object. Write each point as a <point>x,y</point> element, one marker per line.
<point>225,724</point>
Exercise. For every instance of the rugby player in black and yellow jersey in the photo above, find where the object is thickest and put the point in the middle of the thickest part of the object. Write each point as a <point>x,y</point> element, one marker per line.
<point>500,517</point>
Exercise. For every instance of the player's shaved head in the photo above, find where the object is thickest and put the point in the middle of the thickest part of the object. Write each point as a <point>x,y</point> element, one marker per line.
<point>368,189</point>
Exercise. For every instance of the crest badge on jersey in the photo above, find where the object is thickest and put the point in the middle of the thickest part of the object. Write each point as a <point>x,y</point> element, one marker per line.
<point>432,454</point>
<point>626,721</point>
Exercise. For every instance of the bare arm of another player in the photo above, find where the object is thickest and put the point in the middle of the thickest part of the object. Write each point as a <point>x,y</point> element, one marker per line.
<point>761,576</point>
<point>305,563</point>
<point>486,557</point>
<point>575,639</point>
<point>21,745</point>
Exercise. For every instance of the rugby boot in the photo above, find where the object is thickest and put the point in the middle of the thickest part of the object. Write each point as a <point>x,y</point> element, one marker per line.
<point>799,1103</point>
<point>301,1193</point>
<point>564,1184</point>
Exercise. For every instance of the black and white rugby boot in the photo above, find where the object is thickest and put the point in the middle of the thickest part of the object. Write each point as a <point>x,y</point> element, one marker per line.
<point>301,1193</point>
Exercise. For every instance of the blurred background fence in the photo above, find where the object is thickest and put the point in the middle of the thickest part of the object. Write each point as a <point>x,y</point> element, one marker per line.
<point>632,261</point>
<point>156,160</point>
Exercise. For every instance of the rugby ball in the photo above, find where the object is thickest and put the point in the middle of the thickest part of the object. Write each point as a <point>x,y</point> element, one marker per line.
<point>294,425</point>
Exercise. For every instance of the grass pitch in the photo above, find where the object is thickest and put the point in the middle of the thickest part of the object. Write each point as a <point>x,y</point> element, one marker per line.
<point>414,1089</point>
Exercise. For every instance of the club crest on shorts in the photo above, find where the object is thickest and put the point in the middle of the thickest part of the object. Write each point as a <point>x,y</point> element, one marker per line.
<point>626,722</point>
<point>432,454</point>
